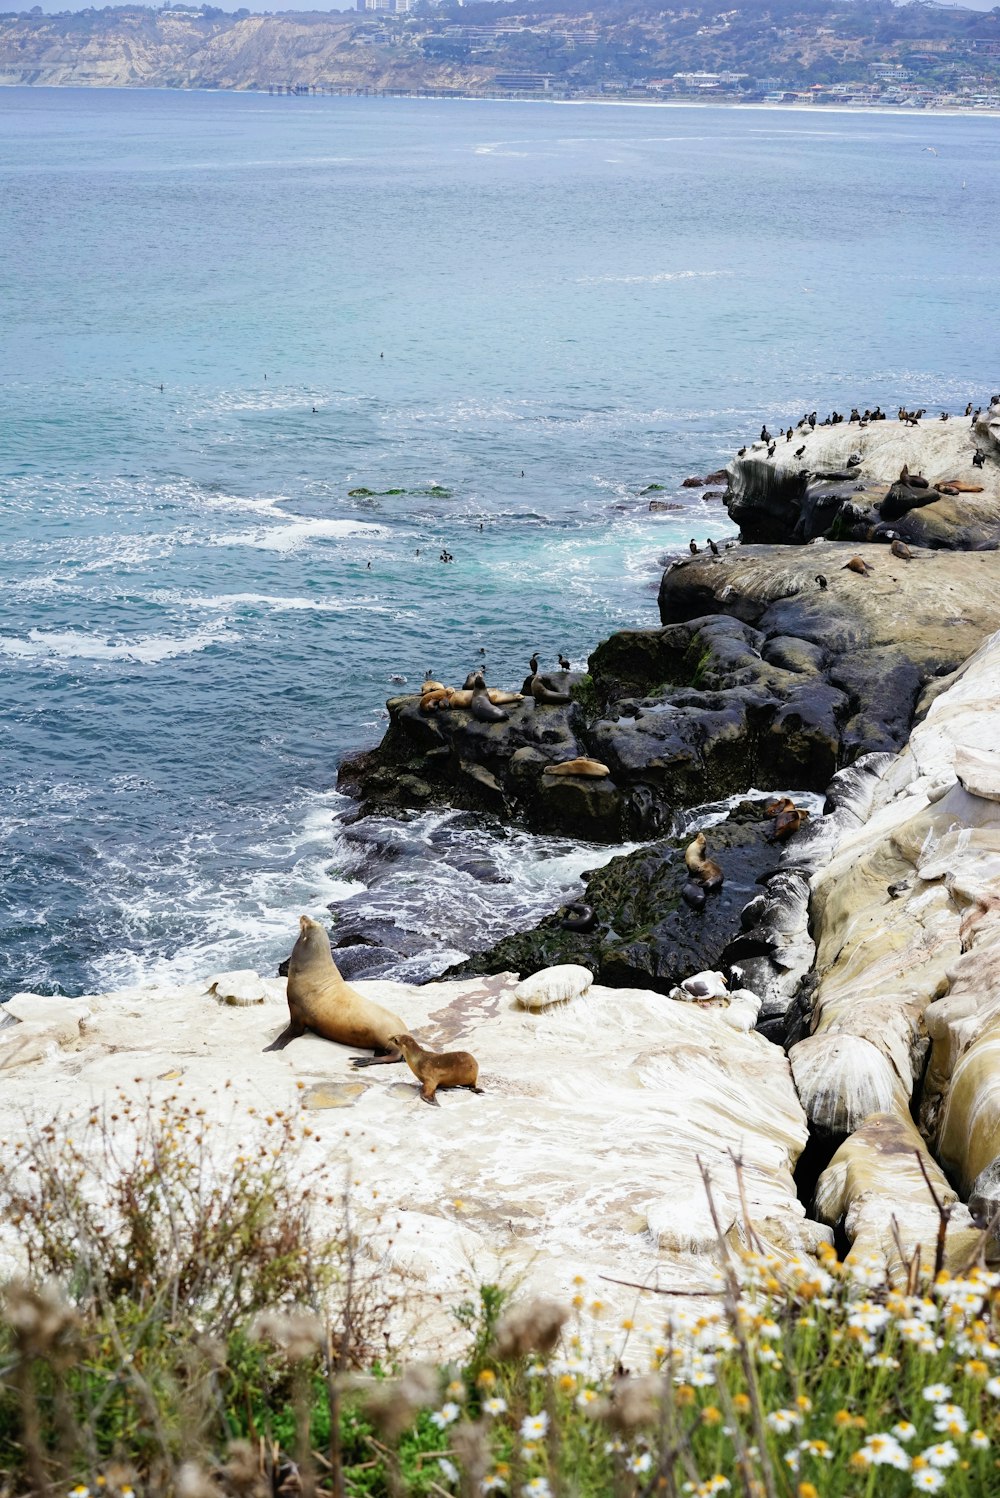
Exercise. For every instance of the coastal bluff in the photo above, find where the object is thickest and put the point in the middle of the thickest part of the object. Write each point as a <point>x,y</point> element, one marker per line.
<point>579,1159</point>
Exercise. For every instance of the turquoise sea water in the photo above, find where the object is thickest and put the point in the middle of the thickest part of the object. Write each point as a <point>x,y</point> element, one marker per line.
<point>538,309</point>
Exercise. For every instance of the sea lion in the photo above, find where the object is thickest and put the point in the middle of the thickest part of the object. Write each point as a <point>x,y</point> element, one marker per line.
<point>591,769</point>
<point>787,823</point>
<point>434,1069</point>
<point>958,487</point>
<point>858,565</point>
<point>547,694</point>
<point>578,917</point>
<point>901,550</point>
<point>431,686</point>
<point>703,870</point>
<point>436,698</point>
<point>778,805</point>
<point>693,894</point>
<point>320,1000</point>
<point>482,709</point>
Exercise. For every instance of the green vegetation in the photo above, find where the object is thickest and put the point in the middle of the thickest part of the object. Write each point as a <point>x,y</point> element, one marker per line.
<point>188,1331</point>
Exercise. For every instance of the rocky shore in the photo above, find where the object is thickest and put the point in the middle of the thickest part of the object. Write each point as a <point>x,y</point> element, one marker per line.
<point>847,1051</point>
<point>800,660</point>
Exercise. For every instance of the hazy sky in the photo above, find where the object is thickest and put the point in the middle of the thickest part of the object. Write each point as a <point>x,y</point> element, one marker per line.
<point>51,6</point>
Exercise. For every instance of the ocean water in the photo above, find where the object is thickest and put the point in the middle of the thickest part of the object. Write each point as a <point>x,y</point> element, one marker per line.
<point>221,314</point>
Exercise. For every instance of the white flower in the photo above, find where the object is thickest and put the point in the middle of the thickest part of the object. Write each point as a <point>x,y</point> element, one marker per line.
<point>585,1399</point>
<point>992,1386</point>
<point>538,1487</point>
<point>792,1459</point>
<point>537,1370</point>
<point>937,1393</point>
<point>870,1273</point>
<point>950,1417</point>
<point>927,1480</point>
<point>446,1415</point>
<point>494,1484</point>
<point>612,1447</point>
<point>533,1427</point>
<point>883,1360</point>
<point>944,1454</point>
<point>904,1431</point>
<point>640,1463</point>
<point>767,1355</point>
<point>884,1450</point>
<point>79,1491</point>
<point>784,1420</point>
<point>979,1439</point>
<point>494,1405</point>
<point>868,1316</point>
<point>448,1468</point>
<point>701,1377</point>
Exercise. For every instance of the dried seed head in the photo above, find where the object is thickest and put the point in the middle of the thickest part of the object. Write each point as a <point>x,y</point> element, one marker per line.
<point>392,1406</point>
<point>194,1482</point>
<point>633,1402</point>
<point>471,1445</point>
<point>241,1476</point>
<point>299,1334</point>
<point>38,1317</point>
<point>533,1326</point>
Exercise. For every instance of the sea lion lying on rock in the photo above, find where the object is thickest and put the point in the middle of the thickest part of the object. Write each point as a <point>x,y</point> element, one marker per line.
<point>592,769</point>
<point>320,1000</point>
<point>547,694</point>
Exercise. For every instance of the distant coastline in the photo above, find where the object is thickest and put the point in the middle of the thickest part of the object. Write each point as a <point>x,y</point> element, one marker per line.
<point>425,97</point>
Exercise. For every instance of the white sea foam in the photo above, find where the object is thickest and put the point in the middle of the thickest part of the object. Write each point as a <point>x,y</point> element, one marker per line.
<point>302,533</point>
<point>71,644</point>
<point>229,602</point>
<point>653,279</point>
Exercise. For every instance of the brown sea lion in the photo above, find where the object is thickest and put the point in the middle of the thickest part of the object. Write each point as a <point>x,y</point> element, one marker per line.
<point>592,769</point>
<point>962,488</point>
<point>431,686</point>
<point>434,1069</point>
<point>703,870</point>
<point>320,1000</point>
<point>778,805</point>
<point>901,550</point>
<point>787,823</point>
<point>858,565</point>
<point>546,693</point>
<point>437,697</point>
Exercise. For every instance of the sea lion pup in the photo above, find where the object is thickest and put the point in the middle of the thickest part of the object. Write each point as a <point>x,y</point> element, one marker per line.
<point>435,698</point>
<point>481,708</point>
<point>591,769</point>
<point>431,686</point>
<point>434,1069</point>
<point>320,1000</point>
<point>546,693</point>
<point>858,565</point>
<point>901,550</point>
<point>778,805</point>
<point>703,870</point>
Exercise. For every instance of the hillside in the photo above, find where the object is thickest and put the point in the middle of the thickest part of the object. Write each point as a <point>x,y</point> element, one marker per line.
<point>919,54</point>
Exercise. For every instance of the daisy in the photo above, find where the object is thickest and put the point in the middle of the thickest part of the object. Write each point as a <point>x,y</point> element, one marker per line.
<point>639,1464</point>
<point>927,1480</point>
<point>904,1431</point>
<point>493,1484</point>
<point>446,1415</point>
<point>979,1439</point>
<point>495,1405</point>
<point>538,1487</point>
<point>944,1454</point>
<point>937,1393</point>
<point>533,1427</point>
<point>784,1420</point>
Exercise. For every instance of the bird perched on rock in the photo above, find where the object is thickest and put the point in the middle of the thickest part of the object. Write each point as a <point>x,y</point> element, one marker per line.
<point>712,547</point>
<point>968,409</point>
<point>823,583</point>
<point>858,565</point>
<point>563,662</point>
<point>854,460</point>
<point>899,549</point>
<point>895,890</point>
<point>693,547</point>
<point>707,985</point>
<point>978,458</point>
<point>765,435</point>
<point>800,450</point>
<point>533,665</point>
<point>945,415</point>
<point>740,452</point>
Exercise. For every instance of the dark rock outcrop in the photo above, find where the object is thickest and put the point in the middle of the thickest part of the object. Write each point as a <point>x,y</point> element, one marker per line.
<point>644,934</point>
